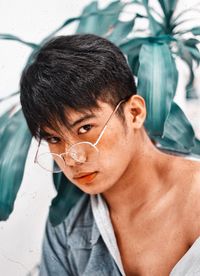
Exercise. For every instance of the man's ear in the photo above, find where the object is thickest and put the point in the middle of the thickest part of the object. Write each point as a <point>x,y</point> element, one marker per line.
<point>137,110</point>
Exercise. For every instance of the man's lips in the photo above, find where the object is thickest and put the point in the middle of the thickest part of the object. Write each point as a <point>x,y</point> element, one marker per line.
<point>86,177</point>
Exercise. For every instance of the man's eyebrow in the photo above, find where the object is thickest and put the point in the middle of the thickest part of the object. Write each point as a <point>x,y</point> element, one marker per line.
<point>82,119</point>
<point>45,134</point>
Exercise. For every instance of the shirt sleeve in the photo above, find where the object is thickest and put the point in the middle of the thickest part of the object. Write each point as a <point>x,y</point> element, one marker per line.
<point>54,259</point>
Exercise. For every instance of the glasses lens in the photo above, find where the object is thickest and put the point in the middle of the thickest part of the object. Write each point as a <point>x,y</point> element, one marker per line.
<point>46,161</point>
<point>83,152</point>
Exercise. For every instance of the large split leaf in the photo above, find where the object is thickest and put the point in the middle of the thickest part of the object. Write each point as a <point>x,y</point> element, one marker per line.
<point>157,82</point>
<point>67,197</point>
<point>15,140</point>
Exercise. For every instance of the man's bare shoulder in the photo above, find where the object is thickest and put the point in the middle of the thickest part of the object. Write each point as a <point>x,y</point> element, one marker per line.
<point>189,189</point>
<point>190,170</point>
<point>187,171</point>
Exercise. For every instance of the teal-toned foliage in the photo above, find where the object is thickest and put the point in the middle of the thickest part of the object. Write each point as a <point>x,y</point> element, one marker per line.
<point>15,140</point>
<point>151,54</point>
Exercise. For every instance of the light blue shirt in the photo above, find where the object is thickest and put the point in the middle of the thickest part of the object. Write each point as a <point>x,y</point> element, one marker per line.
<point>79,245</point>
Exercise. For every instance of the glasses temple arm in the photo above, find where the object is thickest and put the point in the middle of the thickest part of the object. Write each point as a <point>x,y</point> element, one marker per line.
<point>105,126</point>
<point>35,158</point>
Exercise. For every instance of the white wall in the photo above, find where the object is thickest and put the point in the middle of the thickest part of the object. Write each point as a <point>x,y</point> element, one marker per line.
<point>21,235</point>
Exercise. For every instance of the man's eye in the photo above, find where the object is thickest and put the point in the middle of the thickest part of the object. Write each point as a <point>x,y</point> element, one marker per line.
<point>84,129</point>
<point>53,140</point>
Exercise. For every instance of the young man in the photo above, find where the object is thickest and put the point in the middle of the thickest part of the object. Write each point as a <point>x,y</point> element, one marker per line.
<point>140,214</point>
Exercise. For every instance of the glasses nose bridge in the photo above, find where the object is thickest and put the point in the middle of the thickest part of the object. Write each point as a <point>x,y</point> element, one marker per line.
<point>70,153</point>
<point>68,160</point>
<point>67,145</point>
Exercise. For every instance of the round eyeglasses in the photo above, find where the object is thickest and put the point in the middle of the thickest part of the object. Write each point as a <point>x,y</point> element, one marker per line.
<point>82,152</point>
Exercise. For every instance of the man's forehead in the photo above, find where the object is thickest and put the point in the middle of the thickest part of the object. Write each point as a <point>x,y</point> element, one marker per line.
<point>73,114</point>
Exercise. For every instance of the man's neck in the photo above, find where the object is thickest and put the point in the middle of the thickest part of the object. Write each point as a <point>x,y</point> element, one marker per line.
<point>145,180</point>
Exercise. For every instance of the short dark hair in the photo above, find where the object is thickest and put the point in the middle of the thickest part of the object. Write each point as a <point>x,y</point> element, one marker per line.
<point>73,72</point>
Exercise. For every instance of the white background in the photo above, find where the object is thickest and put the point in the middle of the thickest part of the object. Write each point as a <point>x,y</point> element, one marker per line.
<point>21,235</point>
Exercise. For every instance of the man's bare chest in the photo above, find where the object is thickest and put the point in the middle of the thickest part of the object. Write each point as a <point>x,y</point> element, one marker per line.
<point>151,247</point>
<point>151,255</point>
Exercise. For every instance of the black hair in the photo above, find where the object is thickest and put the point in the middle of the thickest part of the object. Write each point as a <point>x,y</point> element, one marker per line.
<point>73,72</point>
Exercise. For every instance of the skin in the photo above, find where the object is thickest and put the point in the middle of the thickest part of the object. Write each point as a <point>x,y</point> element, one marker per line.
<point>153,197</point>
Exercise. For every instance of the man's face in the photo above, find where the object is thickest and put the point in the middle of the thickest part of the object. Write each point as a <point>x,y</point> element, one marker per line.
<point>115,148</point>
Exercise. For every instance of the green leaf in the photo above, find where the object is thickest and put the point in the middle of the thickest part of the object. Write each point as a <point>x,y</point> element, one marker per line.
<point>131,49</point>
<point>186,56</point>
<point>157,82</point>
<point>191,42</point>
<point>96,21</point>
<point>87,24</point>
<point>68,195</point>
<point>195,30</point>
<point>191,92</point>
<point>15,38</point>
<point>133,60</point>
<point>184,53</point>
<point>9,96</point>
<point>196,148</point>
<point>120,31</point>
<point>131,44</point>
<point>168,7</point>
<point>69,21</point>
<point>4,119</point>
<point>195,53</point>
<point>178,129</point>
<point>170,146</point>
<point>155,27</point>
<point>15,140</point>
<point>178,136</point>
